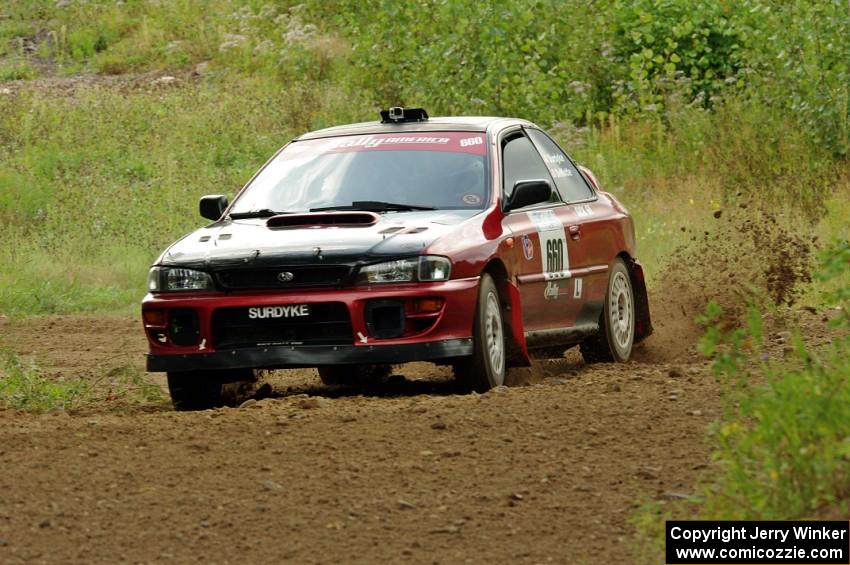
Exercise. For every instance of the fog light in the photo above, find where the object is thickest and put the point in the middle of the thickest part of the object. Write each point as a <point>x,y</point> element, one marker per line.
<point>154,317</point>
<point>385,318</point>
<point>427,305</point>
<point>183,327</point>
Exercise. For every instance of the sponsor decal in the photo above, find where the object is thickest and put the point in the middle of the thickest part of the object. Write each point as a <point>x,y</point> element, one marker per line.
<point>555,163</point>
<point>451,141</point>
<point>371,141</point>
<point>291,311</point>
<point>471,199</point>
<point>577,288</point>
<point>551,291</point>
<point>553,244</point>
<point>527,248</point>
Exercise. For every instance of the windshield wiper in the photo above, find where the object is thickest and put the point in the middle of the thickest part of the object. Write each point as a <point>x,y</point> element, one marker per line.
<point>262,213</point>
<point>374,206</point>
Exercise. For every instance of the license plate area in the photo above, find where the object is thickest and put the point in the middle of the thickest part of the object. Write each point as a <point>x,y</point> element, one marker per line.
<point>326,323</point>
<point>277,312</point>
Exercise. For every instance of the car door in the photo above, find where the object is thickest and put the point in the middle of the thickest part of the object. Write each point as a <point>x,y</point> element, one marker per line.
<point>588,233</point>
<point>541,253</point>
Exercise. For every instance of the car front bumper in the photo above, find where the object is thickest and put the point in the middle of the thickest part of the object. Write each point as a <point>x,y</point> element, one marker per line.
<point>447,335</point>
<point>311,356</point>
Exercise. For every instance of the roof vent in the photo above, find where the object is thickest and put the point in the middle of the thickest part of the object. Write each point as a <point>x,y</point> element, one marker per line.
<point>398,115</point>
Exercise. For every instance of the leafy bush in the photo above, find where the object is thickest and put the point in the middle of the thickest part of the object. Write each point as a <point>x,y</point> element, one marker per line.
<point>493,58</point>
<point>694,48</point>
<point>798,62</point>
<point>550,62</point>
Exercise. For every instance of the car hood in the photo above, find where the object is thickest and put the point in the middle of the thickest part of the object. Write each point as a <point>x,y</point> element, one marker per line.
<point>251,243</point>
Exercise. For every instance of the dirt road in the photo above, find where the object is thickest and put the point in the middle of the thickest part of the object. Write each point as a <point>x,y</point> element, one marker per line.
<point>547,472</point>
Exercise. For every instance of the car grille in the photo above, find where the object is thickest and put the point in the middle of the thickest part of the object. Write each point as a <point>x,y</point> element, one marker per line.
<point>327,324</point>
<point>270,279</point>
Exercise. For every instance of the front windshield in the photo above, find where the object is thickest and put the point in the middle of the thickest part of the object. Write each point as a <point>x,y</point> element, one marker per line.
<point>443,170</point>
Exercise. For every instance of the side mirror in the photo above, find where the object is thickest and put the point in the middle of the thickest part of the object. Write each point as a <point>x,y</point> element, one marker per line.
<point>213,206</point>
<point>528,192</point>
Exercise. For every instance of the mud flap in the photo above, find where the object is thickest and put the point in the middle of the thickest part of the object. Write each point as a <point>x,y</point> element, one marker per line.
<point>643,322</point>
<point>517,349</point>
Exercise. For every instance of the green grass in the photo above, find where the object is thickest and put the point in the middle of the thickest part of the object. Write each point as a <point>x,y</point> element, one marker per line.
<point>35,282</point>
<point>23,386</point>
<point>17,71</point>
<point>93,186</point>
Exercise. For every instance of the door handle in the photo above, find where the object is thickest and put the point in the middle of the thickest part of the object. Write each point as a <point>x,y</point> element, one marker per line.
<point>575,231</point>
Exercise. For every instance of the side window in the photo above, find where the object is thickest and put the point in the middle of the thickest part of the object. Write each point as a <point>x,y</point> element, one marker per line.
<point>521,161</point>
<point>568,179</point>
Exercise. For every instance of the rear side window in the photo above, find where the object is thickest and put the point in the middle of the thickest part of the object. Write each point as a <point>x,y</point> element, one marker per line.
<point>521,161</point>
<point>568,179</point>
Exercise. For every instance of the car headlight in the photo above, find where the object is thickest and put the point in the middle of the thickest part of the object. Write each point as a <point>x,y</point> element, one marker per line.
<point>427,268</point>
<point>166,279</point>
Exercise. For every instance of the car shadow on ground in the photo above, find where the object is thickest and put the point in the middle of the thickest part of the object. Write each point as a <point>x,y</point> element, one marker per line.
<point>394,386</point>
<point>418,379</point>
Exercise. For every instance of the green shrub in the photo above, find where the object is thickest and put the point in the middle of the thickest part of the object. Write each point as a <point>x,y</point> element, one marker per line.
<point>798,63</point>
<point>694,49</point>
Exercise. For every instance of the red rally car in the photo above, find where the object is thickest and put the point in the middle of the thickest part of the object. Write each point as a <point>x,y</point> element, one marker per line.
<point>467,241</point>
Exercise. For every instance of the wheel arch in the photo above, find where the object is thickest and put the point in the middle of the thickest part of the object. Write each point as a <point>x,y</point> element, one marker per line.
<point>643,321</point>
<point>517,352</point>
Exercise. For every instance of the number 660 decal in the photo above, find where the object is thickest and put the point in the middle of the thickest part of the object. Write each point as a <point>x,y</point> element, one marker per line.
<point>553,244</point>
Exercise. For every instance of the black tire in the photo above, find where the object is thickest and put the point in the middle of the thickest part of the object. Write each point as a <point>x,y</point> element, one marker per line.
<point>485,368</point>
<point>353,375</point>
<point>616,336</point>
<point>195,390</point>
<point>202,390</point>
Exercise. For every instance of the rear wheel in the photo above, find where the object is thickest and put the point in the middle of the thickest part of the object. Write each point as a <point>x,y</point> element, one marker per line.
<point>357,375</point>
<point>485,369</point>
<point>201,390</point>
<point>617,326</point>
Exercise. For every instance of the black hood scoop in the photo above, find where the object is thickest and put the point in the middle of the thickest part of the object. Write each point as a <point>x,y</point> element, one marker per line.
<point>322,220</point>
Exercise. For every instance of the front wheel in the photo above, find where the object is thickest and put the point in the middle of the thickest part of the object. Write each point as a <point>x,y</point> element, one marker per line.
<point>485,369</point>
<point>617,326</point>
<point>201,390</point>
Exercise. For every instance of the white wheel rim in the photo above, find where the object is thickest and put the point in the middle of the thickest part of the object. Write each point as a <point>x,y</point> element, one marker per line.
<point>620,310</point>
<point>493,336</point>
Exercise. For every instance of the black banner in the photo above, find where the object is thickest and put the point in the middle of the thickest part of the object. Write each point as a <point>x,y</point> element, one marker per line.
<point>815,543</point>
